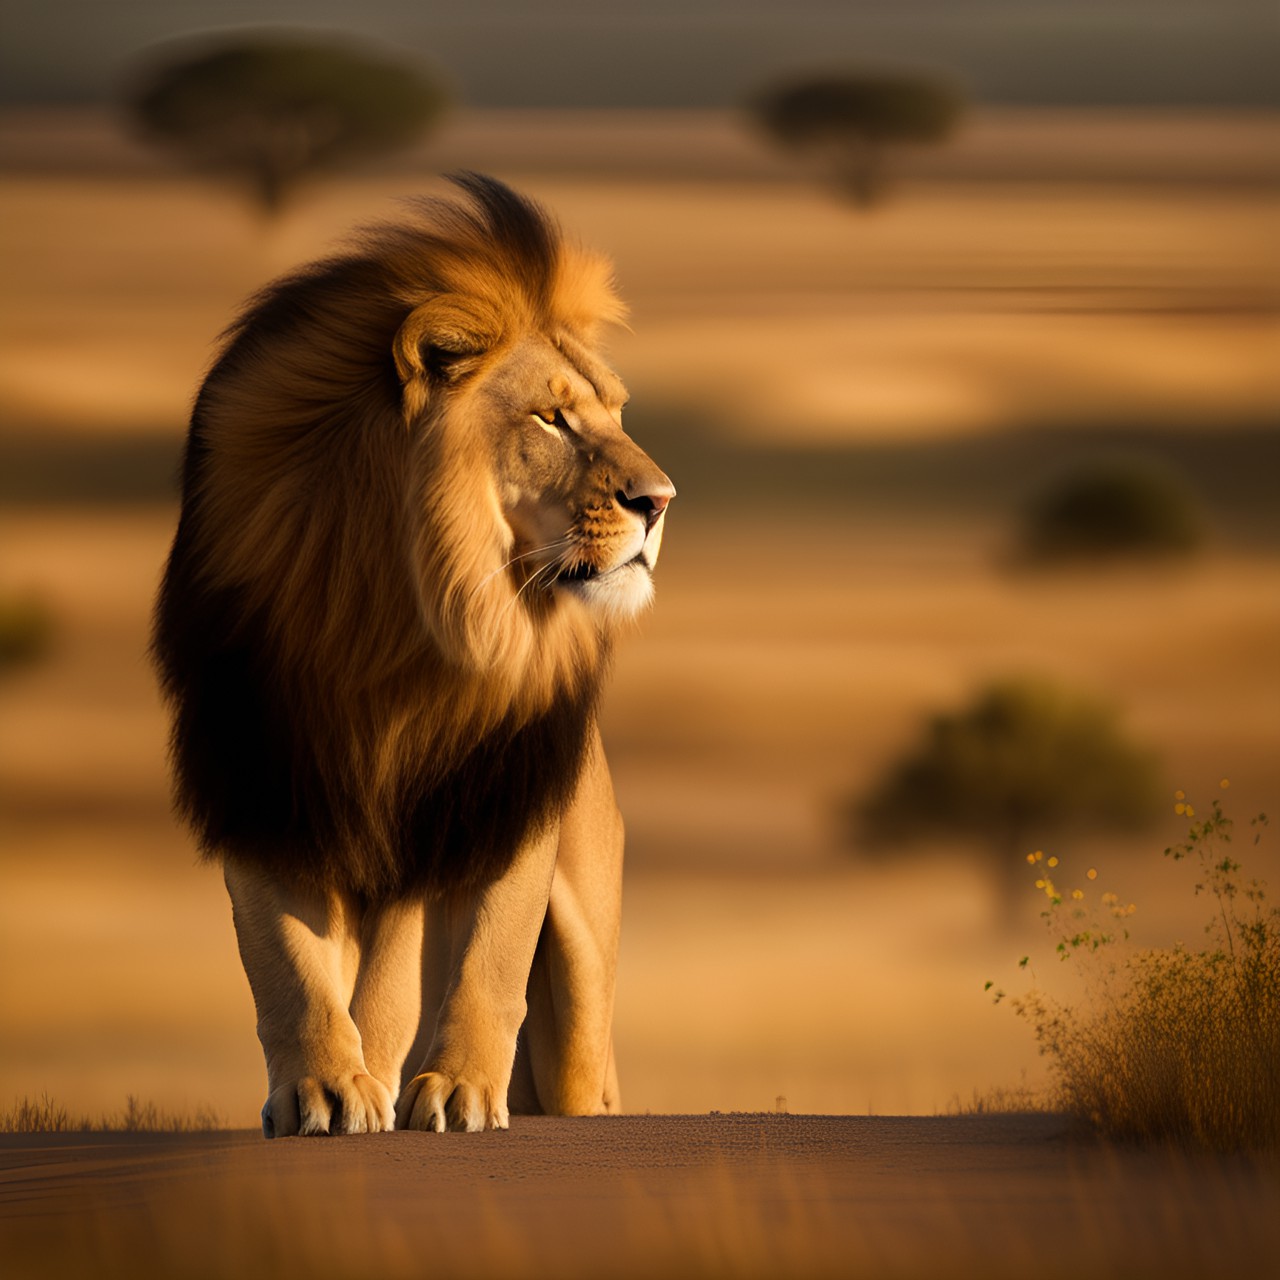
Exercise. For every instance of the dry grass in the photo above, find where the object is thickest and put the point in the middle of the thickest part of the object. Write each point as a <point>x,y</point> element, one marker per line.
<point>1002,1100</point>
<point>1175,1045</point>
<point>47,1116</point>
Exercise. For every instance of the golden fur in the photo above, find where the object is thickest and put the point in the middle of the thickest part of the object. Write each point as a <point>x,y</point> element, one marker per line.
<point>410,523</point>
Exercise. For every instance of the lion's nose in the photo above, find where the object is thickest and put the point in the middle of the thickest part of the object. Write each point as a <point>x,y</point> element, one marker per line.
<point>649,506</point>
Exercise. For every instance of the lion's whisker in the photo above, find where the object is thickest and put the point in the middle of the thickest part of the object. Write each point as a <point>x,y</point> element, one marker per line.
<point>540,577</point>
<point>557,544</point>
<point>547,571</point>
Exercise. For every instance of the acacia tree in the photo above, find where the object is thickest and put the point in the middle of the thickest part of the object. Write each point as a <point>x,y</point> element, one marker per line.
<point>1025,761</point>
<point>850,120</point>
<point>268,110</point>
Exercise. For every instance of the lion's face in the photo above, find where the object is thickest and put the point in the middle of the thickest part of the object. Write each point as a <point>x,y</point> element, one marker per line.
<point>583,503</point>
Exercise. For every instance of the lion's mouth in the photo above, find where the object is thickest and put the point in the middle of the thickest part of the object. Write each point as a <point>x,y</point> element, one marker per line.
<point>613,594</point>
<point>585,572</point>
<point>580,572</point>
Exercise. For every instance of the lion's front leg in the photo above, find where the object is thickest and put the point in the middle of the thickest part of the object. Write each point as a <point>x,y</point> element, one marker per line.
<point>483,948</point>
<point>302,955</point>
<point>568,1034</point>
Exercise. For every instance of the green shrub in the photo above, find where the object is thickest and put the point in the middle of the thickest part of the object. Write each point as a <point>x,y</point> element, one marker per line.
<point>1168,1045</point>
<point>1109,512</point>
<point>1024,757</point>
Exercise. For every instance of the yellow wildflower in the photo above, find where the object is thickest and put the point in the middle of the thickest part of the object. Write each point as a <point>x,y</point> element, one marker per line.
<point>1077,894</point>
<point>1092,873</point>
<point>1053,862</point>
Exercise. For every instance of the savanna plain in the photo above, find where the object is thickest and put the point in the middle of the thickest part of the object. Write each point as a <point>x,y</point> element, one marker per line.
<point>855,407</point>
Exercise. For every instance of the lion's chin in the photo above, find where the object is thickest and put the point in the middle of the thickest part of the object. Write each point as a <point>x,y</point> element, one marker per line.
<point>616,596</point>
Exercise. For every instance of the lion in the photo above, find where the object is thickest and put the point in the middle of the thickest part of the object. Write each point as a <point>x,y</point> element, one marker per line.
<point>411,527</point>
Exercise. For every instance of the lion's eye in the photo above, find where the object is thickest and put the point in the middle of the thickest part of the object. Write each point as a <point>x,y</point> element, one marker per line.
<point>552,419</point>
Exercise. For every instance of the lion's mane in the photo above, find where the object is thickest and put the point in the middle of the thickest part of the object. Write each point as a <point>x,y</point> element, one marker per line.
<point>360,697</point>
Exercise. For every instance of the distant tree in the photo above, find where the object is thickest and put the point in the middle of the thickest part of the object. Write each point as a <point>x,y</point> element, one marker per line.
<point>26,630</point>
<point>1024,761</point>
<point>851,119</point>
<point>269,110</point>
<point>1111,511</point>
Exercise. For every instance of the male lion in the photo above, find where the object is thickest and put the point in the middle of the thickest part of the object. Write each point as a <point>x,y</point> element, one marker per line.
<point>410,522</point>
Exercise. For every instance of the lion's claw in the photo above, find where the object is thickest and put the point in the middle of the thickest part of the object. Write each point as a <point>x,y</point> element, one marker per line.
<point>357,1103</point>
<point>437,1102</point>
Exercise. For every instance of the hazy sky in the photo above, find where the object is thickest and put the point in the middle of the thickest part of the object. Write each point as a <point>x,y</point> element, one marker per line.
<point>700,52</point>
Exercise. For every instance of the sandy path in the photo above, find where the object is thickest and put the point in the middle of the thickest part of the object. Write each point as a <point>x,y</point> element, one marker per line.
<point>640,1195</point>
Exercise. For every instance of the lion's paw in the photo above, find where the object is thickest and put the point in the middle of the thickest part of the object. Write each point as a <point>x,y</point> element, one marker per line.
<point>356,1103</point>
<point>438,1102</point>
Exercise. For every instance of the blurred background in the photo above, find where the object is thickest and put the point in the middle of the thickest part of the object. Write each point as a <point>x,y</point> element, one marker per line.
<point>954,324</point>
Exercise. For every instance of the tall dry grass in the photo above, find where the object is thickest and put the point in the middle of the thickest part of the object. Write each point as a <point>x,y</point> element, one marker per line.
<point>1175,1045</point>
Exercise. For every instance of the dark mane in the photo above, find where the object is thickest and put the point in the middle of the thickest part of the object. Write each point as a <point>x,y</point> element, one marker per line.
<point>318,729</point>
<point>253,787</point>
<point>523,232</point>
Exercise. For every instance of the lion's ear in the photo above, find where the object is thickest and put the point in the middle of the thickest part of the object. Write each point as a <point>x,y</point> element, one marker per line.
<point>442,340</point>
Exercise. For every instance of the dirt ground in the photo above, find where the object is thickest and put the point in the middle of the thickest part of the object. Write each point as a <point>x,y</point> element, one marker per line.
<point>852,408</point>
<point>718,1195</point>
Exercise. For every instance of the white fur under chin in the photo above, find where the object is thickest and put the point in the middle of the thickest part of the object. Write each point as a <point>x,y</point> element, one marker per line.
<point>617,596</point>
